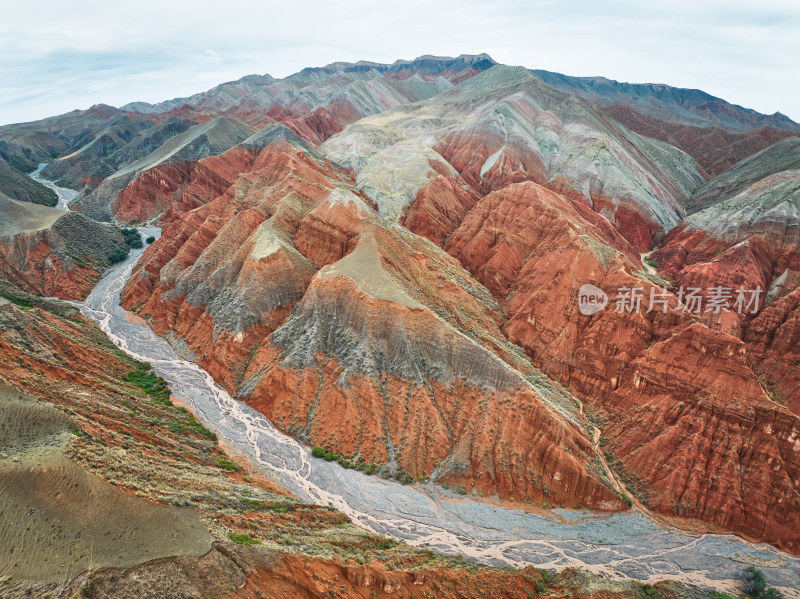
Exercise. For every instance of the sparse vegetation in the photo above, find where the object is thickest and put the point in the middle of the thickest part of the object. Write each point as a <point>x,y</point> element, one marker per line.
<point>545,575</point>
<point>228,465</point>
<point>153,385</point>
<point>252,504</point>
<point>651,262</point>
<point>189,424</point>
<point>17,300</point>
<point>243,539</point>
<point>650,591</point>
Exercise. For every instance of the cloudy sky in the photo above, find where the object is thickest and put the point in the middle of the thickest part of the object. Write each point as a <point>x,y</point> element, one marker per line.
<point>56,56</point>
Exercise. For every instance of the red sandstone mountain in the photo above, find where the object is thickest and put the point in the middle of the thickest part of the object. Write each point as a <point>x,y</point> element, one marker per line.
<point>390,269</point>
<point>358,335</point>
<point>456,180</point>
<point>750,237</point>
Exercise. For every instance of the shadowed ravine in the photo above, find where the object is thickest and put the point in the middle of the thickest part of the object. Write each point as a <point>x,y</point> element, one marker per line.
<point>625,545</point>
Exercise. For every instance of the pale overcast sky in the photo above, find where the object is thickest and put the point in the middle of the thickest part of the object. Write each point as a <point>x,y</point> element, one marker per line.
<point>57,55</point>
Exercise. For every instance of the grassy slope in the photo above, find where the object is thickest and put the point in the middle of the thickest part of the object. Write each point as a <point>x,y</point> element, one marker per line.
<point>19,186</point>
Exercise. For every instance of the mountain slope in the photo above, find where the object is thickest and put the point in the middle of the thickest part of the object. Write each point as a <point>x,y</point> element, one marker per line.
<point>750,240</point>
<point>687,106</point>
<point>386,260</point>
<point>111,490</point>
<point>291,291</point>
<point>18,186</point>
<point>52,252</point>
<point>505,126</point>
<point>181,150</point>
<point>715,149</point>
<point>781,156</point>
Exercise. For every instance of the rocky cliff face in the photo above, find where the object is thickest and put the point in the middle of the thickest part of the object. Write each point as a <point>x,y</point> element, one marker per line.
<point>749,240</point>
<point>677,393</point>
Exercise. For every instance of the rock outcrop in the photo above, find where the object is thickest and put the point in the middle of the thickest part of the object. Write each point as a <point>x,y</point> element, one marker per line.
<point>750,240</point>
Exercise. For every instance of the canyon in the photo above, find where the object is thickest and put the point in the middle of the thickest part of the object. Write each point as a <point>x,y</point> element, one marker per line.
<point>384,262</point>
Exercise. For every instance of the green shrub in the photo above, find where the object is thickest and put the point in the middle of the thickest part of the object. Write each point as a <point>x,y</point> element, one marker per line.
<point>117,255</point>
<point>317,452</point>
<point>756,582</point>
<point>252,504</point>
<point>228,465</point>
<point>132,238</point>
<point>150,240</point>
<point>243,539</point>
<point>545,575</point>
<point>772,593</point>
<point>385,543</point>
<point>198,428</point>
<point>22,302</point>
<point>404,478</point>
<point>280,508</point>
<point>650,591</point>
